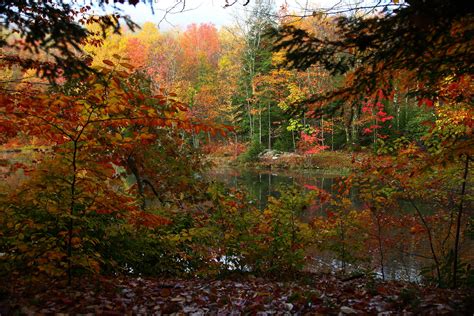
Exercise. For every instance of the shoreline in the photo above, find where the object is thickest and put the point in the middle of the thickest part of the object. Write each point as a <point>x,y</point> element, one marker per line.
<point>334,163</point>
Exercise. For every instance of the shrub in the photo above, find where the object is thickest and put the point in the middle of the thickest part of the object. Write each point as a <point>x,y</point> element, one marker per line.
<point>252,152</point>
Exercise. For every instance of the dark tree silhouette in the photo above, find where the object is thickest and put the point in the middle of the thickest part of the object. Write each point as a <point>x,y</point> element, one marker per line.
<point>430,40</point>
<point>54,29</point>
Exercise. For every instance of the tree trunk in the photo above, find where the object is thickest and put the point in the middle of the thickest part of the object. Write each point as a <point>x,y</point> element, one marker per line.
<point>322,130</point>
<point>269,128</point>
<point>71,212</point>
<point>294,142</point>
<point>348,141</point>
<point>132,165</point>
<point>354,133</point>
<point>332,134</point>
<point>259,124</point>
<point>459,222</point>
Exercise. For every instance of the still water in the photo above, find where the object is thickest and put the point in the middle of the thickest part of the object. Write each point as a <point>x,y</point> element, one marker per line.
<point>260,184</point>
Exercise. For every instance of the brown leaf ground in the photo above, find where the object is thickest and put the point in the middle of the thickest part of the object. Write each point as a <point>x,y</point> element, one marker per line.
<point>322,295</point>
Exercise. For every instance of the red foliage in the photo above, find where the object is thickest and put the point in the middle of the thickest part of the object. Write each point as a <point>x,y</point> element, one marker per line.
<point>137,52</point>
<point>200,41</point>
<point>225,149</point>
<point>311,144</point>
<point>427,102</point>
<point>377,112</point>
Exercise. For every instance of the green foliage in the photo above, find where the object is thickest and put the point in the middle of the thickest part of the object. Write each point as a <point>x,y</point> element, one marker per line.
<point>391,147</point>
<point>231,237</point>
<point>410,297</point>
<point>284,142</point>
<point>416,125</point>
<point>35,232</point>
<point>344,232</point>
<point>251,155</point>
<point>284,238</point>
<point>470,228</point>
<point>465,273</point>
<point>236,238</point>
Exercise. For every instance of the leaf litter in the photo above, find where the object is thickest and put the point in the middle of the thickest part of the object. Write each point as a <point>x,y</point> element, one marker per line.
<point>318,295</point>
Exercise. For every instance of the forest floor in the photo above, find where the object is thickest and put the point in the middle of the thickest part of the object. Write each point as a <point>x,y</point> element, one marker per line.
<point>316,295</point>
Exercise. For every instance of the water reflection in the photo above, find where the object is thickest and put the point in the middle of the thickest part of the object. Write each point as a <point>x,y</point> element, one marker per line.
<point>260,184</point>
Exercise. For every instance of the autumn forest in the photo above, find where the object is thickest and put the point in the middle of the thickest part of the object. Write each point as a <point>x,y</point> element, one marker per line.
<point>307,163</point>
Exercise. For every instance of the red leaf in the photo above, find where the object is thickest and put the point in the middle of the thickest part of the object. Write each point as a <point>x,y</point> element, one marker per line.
<point>427,102</point>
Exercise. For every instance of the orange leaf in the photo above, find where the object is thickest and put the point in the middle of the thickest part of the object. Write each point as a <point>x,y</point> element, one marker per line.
<point>128,66</point>
<point>108,62</point>
<point>122,74</point>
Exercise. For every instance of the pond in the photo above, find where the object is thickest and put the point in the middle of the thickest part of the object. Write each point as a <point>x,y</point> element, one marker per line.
<point>260,184</point>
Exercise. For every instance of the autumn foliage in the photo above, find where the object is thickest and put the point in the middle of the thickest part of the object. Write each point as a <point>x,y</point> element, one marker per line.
<point>104,170</point>
<point>96,131</point>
